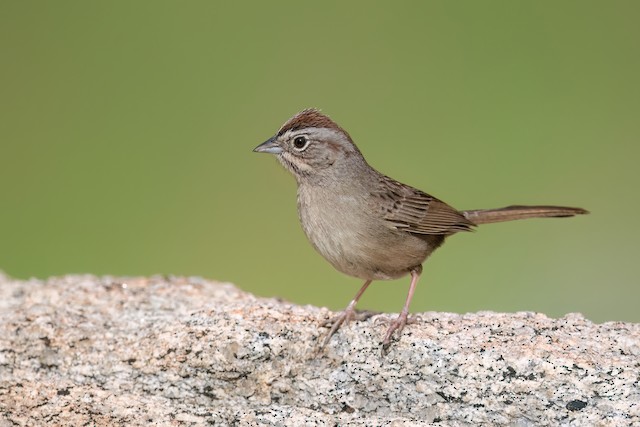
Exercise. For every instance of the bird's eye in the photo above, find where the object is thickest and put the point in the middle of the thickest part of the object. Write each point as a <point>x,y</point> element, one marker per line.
<point>300,142</point>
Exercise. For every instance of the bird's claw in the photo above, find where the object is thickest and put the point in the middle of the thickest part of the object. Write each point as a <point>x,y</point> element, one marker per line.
<point>343,318</point>
<point>396,324</point>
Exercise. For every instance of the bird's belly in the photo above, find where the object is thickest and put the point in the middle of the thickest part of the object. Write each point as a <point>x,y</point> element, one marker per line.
<point>361,245</point>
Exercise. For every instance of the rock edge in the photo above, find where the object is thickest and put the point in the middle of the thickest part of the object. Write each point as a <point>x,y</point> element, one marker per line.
<point>84,350</point>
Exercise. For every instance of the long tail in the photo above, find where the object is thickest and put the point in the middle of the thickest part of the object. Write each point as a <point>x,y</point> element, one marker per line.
<point>511,213</point>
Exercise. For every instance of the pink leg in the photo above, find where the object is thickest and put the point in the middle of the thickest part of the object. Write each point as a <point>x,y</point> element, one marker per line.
<point>347,314</point>
<point>401,321</point>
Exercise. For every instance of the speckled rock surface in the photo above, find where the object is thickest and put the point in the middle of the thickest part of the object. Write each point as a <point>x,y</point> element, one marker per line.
<point>81,350</point>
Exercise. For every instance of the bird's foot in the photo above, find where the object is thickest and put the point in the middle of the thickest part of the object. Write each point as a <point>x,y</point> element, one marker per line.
<point>343,318</point>
<point>398,325</point>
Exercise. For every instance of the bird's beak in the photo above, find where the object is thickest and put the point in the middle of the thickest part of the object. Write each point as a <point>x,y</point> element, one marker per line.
<point>269,146</point>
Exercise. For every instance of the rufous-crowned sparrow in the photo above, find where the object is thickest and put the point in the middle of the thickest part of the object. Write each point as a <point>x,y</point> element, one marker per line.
<point>364,223</point>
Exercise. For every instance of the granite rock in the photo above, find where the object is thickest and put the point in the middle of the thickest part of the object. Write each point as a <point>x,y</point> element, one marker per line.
<point>85,350</point>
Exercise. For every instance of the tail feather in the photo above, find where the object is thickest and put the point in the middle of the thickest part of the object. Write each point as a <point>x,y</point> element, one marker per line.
<point>512,213</point>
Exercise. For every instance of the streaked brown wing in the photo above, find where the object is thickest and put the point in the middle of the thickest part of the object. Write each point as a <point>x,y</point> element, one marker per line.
<point>414,211</point>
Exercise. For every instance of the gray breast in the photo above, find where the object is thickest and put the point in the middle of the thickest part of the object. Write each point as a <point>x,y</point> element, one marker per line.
<point>355,239</point>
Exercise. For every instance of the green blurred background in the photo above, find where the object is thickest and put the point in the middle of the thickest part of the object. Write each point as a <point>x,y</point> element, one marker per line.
<point>126,130</point>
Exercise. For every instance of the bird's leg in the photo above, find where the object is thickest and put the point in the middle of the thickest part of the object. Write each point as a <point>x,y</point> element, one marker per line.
<point>346,315</point>
<point>401,321</point>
